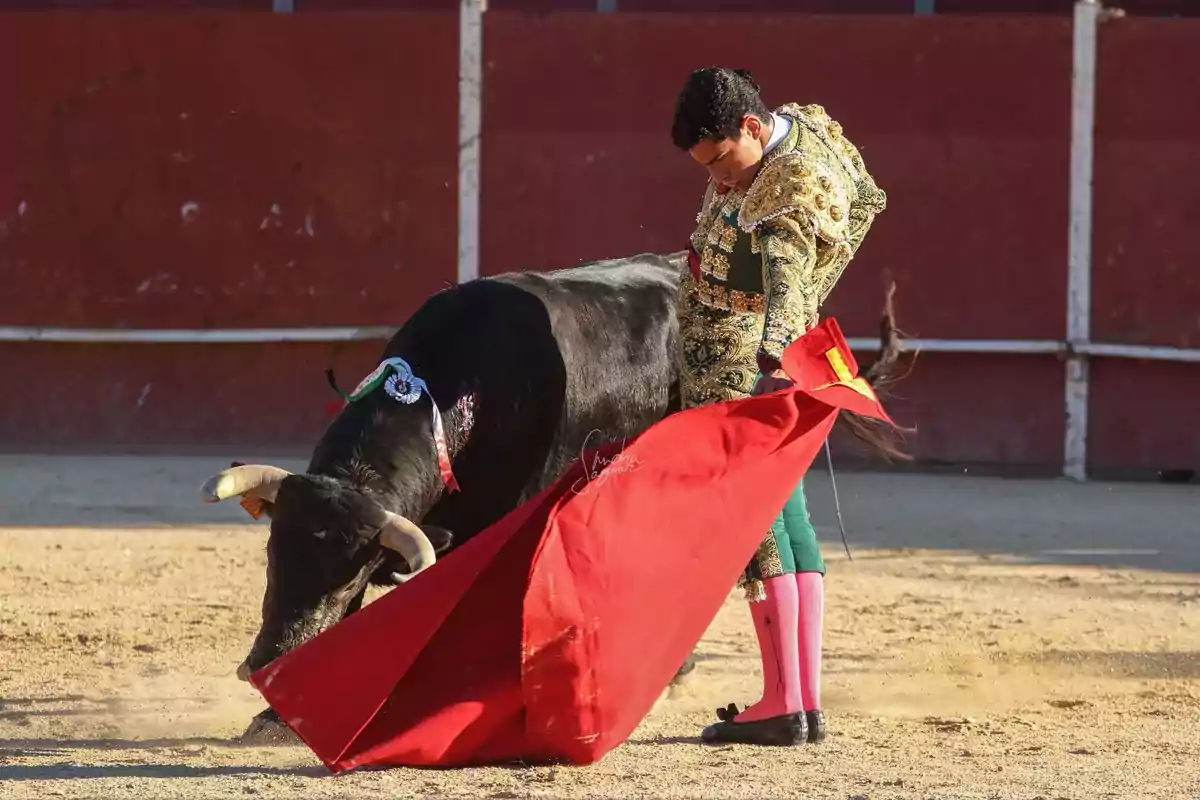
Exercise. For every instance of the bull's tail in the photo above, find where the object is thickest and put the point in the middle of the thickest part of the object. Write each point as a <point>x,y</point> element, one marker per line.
<point>883,375</point>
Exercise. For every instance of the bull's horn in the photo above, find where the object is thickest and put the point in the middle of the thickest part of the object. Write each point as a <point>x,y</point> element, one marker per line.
<point>406,538</point>
<point>256,480</point>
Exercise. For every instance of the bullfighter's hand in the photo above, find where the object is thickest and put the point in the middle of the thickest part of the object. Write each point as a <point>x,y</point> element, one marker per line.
<point>771,382</point>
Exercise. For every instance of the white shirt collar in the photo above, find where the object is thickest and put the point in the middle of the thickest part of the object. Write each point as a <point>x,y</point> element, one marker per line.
<point>780,130</point>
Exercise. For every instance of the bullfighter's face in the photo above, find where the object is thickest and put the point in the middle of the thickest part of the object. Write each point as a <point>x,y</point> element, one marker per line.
<point>733,163</point>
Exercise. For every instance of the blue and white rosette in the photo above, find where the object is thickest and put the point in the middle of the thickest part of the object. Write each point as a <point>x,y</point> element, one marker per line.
<point>403,386</point>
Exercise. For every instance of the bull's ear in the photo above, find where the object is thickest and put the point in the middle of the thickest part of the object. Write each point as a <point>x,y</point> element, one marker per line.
<point>439,537</point>
<point>268,509</point>
<point>257,507</point>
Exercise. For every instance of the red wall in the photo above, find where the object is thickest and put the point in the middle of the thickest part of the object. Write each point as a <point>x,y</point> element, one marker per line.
<point>1145,275</point>
<point>1160,8</point>
<point>223,171</point>
<point>149,151</point>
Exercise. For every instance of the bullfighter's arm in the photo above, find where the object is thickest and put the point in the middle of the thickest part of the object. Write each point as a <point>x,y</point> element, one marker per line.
<point>789,251</point>
<point>799,273</point>
<point>799,211</point>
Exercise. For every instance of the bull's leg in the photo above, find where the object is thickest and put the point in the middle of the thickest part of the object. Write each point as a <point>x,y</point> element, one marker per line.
<point>689,664</point>
<point>267,728</point>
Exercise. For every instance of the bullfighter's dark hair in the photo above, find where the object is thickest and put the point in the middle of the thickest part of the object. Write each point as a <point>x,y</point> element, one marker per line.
<point>712,104</point>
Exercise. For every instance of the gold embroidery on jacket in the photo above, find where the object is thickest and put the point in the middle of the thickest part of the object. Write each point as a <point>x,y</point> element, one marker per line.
<point>806,214</point>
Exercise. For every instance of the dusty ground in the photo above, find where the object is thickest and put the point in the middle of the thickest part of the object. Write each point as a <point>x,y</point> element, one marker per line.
<point>991,639</point>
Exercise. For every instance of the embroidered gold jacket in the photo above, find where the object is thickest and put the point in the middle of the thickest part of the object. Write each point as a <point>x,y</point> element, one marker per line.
<point>779,248</point>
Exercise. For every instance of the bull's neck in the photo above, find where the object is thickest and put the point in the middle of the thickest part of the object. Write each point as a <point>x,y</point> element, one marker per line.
<point>388,452</point>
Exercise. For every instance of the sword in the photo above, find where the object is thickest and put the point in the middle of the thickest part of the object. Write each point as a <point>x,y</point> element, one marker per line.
<point>836,503</point>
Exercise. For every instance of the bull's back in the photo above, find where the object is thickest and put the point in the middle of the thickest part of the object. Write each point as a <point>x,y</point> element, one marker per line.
<point>558,361</point>
<point>613,320</point>
<point>616,329</point>
<point>621,307</point>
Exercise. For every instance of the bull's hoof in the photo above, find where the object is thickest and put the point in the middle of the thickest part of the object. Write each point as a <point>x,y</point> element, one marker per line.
<point>689,664</point>
<point>267,729</point>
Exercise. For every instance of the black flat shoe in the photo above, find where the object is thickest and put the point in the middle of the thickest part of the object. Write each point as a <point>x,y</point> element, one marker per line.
<point>786,730</point>
<point>815,721</point>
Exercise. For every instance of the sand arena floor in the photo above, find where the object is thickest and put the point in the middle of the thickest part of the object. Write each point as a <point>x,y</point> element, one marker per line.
<point>991,639</point>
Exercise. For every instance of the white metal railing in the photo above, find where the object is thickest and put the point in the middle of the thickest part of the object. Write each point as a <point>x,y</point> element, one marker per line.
<point>1063,349</point>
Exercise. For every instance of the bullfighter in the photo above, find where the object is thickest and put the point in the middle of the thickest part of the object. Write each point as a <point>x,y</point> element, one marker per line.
<point>788,204</point>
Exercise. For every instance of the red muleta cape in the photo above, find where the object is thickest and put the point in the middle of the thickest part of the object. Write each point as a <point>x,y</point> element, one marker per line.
<point>548,636</point>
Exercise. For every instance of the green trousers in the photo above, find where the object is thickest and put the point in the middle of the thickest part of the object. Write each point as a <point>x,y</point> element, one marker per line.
<point>795,537</point>
<point>790,546</point>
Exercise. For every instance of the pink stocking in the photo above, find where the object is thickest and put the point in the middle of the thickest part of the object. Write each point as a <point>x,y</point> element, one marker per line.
<point>776,622</point>
<point>811,590</point>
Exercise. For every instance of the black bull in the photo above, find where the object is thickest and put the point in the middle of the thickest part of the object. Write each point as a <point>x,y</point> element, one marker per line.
<point>528,370</point>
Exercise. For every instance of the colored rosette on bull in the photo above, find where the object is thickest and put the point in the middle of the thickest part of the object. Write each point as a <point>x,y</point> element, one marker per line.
<point>540,639</point>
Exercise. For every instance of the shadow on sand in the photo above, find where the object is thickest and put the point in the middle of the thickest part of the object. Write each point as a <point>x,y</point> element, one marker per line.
<point>65,768</point>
